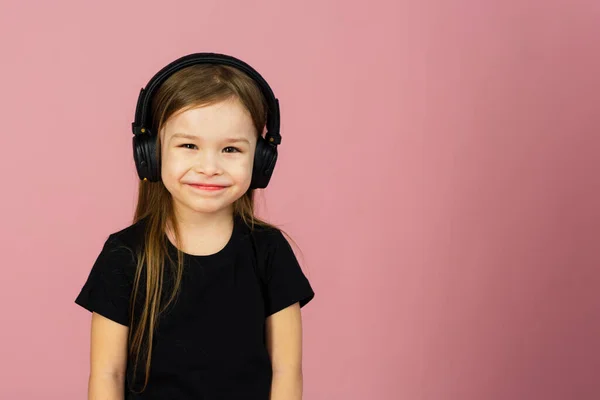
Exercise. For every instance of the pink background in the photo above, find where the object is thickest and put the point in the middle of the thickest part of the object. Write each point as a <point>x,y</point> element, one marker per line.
<point>439,171</point>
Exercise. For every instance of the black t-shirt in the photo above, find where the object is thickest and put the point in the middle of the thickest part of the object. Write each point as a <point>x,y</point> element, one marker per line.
<point>210,343</point>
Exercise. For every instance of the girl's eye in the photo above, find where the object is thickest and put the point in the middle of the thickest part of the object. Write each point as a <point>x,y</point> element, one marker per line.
<point>229,149</point>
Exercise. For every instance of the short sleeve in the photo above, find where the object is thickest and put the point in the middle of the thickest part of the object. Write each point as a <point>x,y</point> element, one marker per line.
<point>286,282</point>
<point>108,287</point>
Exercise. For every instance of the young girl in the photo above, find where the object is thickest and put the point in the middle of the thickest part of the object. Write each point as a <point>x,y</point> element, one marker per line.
<point>198,298</point>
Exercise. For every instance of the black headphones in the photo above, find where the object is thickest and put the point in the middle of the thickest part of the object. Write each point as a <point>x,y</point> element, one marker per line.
<point>144,140</point>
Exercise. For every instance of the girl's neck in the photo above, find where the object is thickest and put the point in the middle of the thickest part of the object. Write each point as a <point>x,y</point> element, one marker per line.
<point>202,234</point>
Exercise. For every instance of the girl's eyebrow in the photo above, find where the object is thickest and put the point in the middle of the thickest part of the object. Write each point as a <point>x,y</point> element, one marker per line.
<point>194,137</point>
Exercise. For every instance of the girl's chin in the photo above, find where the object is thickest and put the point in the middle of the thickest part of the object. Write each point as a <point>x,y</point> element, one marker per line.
<point>205,205</point>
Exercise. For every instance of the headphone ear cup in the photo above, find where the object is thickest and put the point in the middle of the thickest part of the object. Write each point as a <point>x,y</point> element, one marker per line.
<point>265,158</point>
<point>144,155</point>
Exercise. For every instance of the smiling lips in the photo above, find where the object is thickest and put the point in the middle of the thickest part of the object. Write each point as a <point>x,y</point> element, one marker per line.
<point>207,187</point>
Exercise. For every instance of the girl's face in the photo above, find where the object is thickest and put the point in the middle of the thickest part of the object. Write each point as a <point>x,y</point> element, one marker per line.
<point>208,145</point>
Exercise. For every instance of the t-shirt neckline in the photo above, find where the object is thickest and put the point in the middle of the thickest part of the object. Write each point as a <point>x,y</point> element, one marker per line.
<point>219,254</point>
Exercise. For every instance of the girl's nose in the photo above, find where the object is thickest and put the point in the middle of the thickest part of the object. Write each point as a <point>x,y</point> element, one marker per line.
<point>207,163</point>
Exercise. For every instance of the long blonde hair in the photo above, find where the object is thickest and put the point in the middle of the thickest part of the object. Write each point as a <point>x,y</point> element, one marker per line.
<point>196,85</point>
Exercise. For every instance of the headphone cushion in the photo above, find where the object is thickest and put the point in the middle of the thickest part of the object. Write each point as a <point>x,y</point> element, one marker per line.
<point>265,158</point>
<point>144,154</point>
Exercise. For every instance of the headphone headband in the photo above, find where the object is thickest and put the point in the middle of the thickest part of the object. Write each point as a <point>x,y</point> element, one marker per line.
<point>142,124</point>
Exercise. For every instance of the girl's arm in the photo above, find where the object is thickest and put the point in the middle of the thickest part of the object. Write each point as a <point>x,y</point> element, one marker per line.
<point>284,343</point>
<point>108,359</point>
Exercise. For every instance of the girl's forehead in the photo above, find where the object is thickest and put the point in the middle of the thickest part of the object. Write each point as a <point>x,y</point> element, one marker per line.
<point>214,120</point>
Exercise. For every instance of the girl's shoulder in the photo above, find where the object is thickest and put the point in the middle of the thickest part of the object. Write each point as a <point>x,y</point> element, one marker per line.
<point>110,280</point>
<point>264,233</point>
<point>266,238</point>
<point>131,236</point>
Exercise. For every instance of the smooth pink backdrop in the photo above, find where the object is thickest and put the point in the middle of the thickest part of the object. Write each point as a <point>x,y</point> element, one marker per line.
<point>439,170</point>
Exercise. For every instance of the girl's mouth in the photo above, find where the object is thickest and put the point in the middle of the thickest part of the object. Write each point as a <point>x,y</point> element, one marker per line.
<point>210,188</point>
